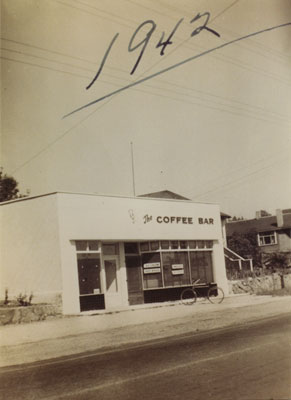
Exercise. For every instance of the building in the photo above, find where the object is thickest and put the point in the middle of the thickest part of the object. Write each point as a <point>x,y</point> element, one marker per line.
<point>107,252</point>
<point>273,231</point>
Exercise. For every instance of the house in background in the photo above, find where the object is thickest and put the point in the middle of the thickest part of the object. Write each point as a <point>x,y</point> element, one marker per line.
<point>273,232</point>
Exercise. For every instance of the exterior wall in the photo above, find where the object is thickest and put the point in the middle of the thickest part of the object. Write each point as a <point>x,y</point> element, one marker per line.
<point>284,240</point>
<point>30,256</point>
<point>85,217</point>
<point>38,251</point>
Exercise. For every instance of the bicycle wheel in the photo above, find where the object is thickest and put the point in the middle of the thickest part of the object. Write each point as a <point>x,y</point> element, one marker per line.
<point>215,295</point>
<point>188,296</point>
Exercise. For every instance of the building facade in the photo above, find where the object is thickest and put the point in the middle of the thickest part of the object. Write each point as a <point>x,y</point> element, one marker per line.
<point>273,232</point>
<point>107,252</point>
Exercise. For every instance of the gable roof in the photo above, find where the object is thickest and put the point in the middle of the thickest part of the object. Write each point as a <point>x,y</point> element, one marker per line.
<point>164,194</point>
<point>264,224</point>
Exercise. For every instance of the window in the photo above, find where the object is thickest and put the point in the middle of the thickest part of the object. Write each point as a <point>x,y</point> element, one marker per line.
<point>131,248</point>
<point>152,272</point>
<point>267,238</point>
<point>110,249</point>
<point>89,274</point>
<point>176,268</point>
<point>201,266</point>
<point>87,246</point>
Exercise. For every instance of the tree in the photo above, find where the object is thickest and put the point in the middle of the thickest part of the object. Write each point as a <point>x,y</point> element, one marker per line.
<point>245,245</point>
<point>8,188</point>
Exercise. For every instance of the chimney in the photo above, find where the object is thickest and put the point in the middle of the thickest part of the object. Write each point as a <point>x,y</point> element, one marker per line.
<point>280,220</point>
<point>258,214</point>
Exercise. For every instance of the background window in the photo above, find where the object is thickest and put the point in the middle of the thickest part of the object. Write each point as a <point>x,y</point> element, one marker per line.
<point>267,238</point>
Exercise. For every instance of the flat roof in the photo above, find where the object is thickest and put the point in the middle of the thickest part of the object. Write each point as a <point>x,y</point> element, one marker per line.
<point>102,195</point>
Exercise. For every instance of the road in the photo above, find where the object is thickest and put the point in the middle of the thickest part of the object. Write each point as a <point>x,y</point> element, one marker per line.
<point>249,362</point>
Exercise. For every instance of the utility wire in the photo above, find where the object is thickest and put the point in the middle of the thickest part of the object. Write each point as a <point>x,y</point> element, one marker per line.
<point>229,109</point>
<point>241,178</point>
<point>118,69</point>
<point>65,133</point>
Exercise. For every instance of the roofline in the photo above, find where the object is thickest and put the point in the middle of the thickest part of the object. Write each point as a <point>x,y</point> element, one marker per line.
<point>102,195</point>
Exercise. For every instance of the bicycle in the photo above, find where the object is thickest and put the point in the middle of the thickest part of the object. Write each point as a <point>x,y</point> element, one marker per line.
<point>214,293</point>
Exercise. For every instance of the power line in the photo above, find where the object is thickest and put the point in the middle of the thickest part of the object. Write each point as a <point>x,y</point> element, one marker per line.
<point>118,69</point>
<point>222,176</point>
<point>82,120</point>
<point>238,111</point>
<point>174,66</point>
<point>241,178</point>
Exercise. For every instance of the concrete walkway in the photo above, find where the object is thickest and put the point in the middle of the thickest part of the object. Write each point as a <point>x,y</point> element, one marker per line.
<point>72,335</point>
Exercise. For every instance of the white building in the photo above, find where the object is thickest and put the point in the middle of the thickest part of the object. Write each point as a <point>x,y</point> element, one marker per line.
<point>107,252</point>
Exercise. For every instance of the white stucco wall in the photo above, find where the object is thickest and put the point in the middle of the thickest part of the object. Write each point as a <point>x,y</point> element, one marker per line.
<point>30,255</point>
<point>37,237</point>
<point>121,219</point>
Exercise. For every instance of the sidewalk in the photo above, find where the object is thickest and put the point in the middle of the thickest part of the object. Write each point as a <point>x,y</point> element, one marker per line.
<point>72,335</point>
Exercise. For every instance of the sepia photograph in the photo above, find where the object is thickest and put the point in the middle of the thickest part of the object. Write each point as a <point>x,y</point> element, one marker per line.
<point>145,199</point>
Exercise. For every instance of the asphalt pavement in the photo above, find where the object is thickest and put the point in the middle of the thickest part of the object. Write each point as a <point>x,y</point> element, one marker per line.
<point>45,340</point>
<point>251,361</point>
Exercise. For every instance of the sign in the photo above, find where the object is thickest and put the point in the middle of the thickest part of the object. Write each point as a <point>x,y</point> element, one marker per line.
<point>152,271</point>
<point>152,265</point>
<point>177,266</point>
<point>178,272</point>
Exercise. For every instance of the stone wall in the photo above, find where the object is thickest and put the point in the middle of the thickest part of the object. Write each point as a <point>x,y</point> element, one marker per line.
<point>260,284</point>
<point>18,315</point>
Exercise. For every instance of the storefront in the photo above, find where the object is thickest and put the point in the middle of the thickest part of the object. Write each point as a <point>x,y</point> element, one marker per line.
<point>107,252</point>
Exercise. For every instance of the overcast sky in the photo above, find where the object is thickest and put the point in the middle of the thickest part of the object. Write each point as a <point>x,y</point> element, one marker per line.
<point>215,129</point>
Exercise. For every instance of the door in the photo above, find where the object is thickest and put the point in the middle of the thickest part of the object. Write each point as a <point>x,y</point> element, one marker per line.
<point>134,279</point>
<point>113,297</point>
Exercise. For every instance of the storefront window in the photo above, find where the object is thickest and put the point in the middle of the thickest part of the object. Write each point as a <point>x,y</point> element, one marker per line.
<point>131,248</point>
<point>201,266</point>
<point>174,244</point>
<point>155,245</point>
<point>93,245</point>
<point>152,271</point>
<point>176,268</point>
<point>110,249</point>
<point>144,246</point>
<point>183,244</point>
<point>89,274</point>
<point>81,245</point>
<point>87,245</point>
<point>192,244</point>
<point>165,244</point>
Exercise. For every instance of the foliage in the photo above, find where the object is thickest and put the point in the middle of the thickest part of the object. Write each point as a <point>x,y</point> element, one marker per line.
<point>277,261</point>
<point>245,245</point>
<point>8,188</point>
<point>21,298</point>
<point>236,218</point>
<point>6,300</point>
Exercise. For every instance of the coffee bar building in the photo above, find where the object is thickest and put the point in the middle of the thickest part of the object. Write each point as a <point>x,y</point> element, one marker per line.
<point>99,252</point>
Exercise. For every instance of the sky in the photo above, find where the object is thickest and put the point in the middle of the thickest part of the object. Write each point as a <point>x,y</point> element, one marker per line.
<point>216,128</point>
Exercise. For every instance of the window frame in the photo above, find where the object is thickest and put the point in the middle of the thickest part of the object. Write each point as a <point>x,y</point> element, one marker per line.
<point>267,234</point>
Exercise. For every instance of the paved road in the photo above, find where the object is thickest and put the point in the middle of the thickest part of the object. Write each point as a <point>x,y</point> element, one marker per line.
<point>249,362</point>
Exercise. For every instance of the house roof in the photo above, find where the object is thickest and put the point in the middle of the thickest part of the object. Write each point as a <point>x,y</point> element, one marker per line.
<point>263,224</point>
<point>164,194</point>
<point>167,194</point>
